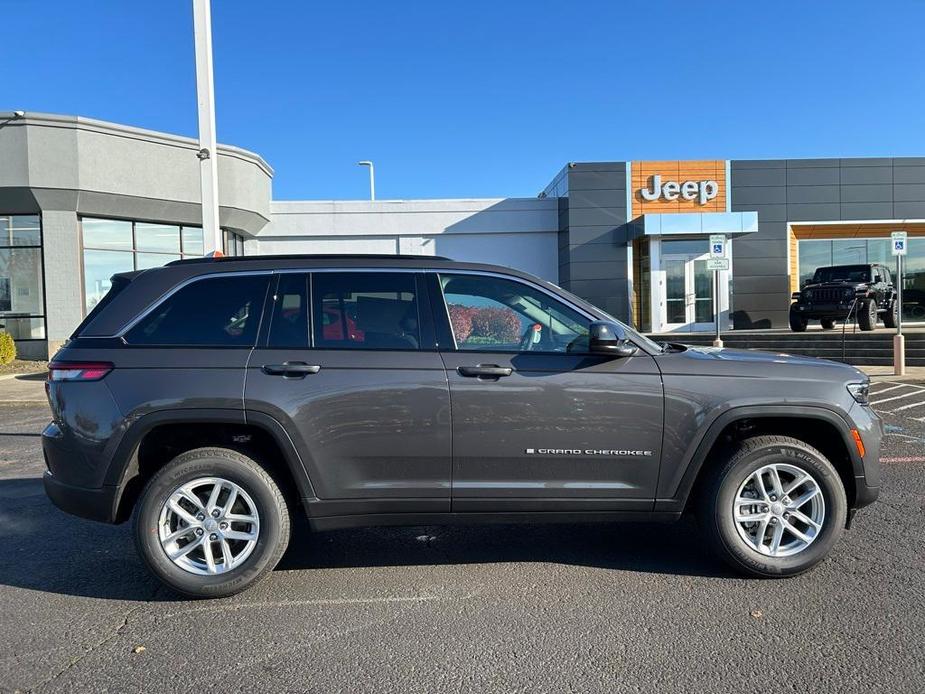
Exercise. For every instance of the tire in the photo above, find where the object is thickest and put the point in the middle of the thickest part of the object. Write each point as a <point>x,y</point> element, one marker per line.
<point>827,323</point>
<point>867,314</point>
<point>728,537</point>
<point>257,499</point>
<point>797,322</point>
<point>889,318</point>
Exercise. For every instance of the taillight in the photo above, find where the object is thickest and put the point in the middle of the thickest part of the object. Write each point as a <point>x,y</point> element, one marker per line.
<point>78,370</point>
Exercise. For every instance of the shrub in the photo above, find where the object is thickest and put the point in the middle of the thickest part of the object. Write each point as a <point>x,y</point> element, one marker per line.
<point>7,347</point>
<point>461,318</point>
<point>500,324</point>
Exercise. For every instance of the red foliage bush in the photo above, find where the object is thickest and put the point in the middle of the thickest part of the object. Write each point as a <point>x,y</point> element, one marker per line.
<point>461,318</point>
<point>499,324</point>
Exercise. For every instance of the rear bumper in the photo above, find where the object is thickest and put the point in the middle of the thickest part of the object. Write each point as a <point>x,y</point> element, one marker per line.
<point>93,504</point>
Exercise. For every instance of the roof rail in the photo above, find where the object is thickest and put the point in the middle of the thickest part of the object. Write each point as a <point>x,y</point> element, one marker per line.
<point>309,256</point>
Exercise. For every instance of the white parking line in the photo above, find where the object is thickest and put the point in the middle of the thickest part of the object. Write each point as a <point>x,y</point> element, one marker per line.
<point>895,397</point>
<point>907,407</point>
<point>885,390</point>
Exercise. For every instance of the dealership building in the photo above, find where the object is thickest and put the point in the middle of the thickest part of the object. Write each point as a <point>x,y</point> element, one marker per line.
<point>82,199</point>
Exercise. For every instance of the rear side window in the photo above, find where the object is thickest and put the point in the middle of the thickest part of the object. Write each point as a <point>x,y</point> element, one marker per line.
<point>119,282</point>
<point>365,310</point>
<point>213,312</point>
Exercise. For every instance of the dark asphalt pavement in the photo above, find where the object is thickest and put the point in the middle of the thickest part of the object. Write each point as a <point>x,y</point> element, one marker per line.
<point>615,608</point>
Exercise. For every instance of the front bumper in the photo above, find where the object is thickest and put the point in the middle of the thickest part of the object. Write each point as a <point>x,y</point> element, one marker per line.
<point>815,311</point>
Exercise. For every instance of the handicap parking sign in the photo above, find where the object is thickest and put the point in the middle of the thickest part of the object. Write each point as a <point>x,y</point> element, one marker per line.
<point>898,239</point>
<point>717,249</point>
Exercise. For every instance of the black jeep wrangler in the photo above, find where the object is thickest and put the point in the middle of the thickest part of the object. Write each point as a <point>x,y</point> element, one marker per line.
<point>842,291</point>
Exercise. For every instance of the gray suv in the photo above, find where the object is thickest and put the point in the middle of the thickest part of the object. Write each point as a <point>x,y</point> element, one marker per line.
<point>212,397</point>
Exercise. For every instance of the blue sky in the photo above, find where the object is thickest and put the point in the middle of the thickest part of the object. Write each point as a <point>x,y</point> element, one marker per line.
<point>483,99</point>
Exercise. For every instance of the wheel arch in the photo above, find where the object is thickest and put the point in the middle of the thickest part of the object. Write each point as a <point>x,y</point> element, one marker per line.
<point>259,436</point>
<point>813,425</point>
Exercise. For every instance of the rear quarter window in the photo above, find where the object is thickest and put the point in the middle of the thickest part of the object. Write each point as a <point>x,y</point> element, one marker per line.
<point>213,312</point>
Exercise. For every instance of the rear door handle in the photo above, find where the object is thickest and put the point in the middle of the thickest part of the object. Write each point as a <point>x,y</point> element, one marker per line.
<point>484,371</point>
<point>290,369</point>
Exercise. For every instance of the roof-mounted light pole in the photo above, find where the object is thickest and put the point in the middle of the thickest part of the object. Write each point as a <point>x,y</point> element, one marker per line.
<point>372,177</point>
<point>208,153</point>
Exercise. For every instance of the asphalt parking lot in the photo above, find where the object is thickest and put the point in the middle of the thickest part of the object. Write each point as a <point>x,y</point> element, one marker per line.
<point>628,608</point>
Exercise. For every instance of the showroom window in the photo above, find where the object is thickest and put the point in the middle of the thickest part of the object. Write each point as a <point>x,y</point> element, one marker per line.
<point>821,253</point>
<point>112,245</point>
<point>234,243</point>
<point>22,299</point>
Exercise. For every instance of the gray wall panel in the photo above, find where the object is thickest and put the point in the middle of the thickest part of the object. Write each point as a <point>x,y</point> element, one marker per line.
<point>867,210</point>
<point>596,216</point>
<point>909,192</point>
<point>596,180</point>
<point>908,174</point>
<point>810,163</point>
<point>742,198</point>
<point>875,192</point>
<point>909,210</point>
<point>812,194</point>
<point>759,177</point>
<point>812,176</point>
<point>598,198</point>
<point>815,212</point>
<point>866,174</point>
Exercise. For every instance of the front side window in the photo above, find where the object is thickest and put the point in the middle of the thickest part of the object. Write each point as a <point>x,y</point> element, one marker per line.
<point>500,315</point>
<point>365,310</point>
<point>212,312</point>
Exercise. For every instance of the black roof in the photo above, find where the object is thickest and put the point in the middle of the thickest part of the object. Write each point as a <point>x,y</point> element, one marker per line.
<point>309,256</point>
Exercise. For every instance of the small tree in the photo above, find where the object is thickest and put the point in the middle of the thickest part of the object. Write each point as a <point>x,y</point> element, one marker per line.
<point>500,325</point>
<point>7,347</point>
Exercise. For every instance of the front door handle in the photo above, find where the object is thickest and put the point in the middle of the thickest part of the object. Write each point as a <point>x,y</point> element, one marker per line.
<point>484,371</point>
<point>291,369</point>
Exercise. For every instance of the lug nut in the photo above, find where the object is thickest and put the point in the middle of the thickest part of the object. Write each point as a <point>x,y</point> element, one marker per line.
<point>773,521</point>
<point>223,526</point>
<point>216,513</point>
<point>764,509</point>
<point>199,532</point>
<point>773,498</point>
<point>200,516</point>
<point>213,537</point>
<point>786,516</point>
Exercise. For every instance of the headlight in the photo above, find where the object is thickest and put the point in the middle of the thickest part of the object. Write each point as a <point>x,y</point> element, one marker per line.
<point>860,392</point>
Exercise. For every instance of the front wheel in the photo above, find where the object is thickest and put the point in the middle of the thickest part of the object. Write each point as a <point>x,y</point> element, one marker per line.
<point>211,523</point>
<point>797,322</point>
<point>867,314</point>
<point>775,508</point>
<point>889,318</point>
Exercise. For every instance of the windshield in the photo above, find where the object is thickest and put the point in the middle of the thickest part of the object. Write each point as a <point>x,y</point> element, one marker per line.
<point>842,273</point>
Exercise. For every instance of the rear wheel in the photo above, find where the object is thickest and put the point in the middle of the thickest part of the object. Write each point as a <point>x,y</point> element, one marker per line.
<point>867,314</point>
<point>797,322</point>
<point>211,523</point>
<point>775,508</point>
<point>827,323</point>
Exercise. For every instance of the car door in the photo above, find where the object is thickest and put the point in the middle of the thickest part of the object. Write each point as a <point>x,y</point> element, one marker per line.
<point>538,423</point>
<point>349,367</point>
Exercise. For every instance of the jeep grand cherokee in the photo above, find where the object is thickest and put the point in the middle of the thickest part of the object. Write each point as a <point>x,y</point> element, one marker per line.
<point>211,398</point>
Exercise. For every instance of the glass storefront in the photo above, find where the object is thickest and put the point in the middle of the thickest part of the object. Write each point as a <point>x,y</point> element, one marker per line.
<point>816,253</point>
<point>22,299</point>
<point>111,246</point>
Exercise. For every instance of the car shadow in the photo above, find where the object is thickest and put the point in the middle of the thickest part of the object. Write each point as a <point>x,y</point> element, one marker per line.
<point>44,549</point>
<point>663,548</point>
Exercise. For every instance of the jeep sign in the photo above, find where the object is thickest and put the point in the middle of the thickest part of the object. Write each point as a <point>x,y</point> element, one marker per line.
<point>702,191</point>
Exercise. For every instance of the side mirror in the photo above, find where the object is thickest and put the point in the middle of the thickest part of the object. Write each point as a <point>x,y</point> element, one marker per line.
<point>606,338</point>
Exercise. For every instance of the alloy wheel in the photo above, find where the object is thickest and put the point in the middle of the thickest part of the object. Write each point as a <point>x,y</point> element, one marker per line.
<point>779,510</point>
<point>208,526</point>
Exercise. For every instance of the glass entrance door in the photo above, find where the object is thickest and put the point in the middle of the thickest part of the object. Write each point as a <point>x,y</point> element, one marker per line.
<point>688,293</point>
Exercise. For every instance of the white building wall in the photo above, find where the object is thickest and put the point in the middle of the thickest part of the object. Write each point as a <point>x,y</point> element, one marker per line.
<point>516,232</point>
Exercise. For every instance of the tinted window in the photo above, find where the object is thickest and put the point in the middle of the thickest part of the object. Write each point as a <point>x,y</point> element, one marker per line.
<point>494,314</point>
<point>842,273</point>
<point>289,324</point>
<point>219,311</point>
<point>365,310</point>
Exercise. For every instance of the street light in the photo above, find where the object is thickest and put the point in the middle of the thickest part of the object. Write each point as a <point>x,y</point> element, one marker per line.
<point>372,177</point>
